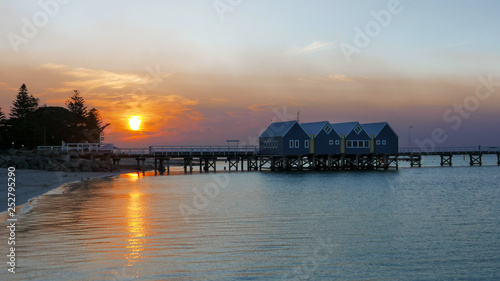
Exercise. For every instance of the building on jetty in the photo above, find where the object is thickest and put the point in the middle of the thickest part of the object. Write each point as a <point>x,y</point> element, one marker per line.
<point>318,138</point>
<point>284,138</point>
<point>354,139</point>
<point>323,139</point>
<point>323,145</point>
<point>383,138</point>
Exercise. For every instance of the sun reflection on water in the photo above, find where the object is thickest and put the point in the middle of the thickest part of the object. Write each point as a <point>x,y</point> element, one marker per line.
<point>136,227</point>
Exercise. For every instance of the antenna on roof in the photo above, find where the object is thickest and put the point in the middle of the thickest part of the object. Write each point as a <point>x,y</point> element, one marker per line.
<point>298,116</point>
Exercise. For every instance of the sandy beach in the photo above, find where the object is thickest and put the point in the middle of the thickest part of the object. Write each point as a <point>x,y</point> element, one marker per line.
<point>32,183</point>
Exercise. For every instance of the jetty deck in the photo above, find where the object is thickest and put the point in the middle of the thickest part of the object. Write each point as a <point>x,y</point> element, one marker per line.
<point>207,156</point>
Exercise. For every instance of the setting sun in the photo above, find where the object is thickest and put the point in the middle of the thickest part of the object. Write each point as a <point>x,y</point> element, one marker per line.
<point>135,122</point>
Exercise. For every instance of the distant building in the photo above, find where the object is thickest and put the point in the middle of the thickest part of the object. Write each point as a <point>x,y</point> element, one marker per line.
<point>324,140</point>
<point>284,138</point>
<point>384,138</point>
<point>353,138</point>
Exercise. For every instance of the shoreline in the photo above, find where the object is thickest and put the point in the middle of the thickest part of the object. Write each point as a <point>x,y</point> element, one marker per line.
<point>32,184</point>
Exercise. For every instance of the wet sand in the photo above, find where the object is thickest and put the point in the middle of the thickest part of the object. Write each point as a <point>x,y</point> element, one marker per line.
<point>33,183</point>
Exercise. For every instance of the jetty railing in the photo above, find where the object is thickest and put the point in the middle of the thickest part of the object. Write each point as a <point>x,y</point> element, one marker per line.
<point>224,150</point>
<point>186,150</point>
<point>88,147</point>
<point>464,149</point>
<point>80,147</point>
<point>131,151</point>
<point>49,148</point>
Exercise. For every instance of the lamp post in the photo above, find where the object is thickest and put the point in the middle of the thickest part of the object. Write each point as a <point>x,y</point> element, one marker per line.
<point>409,138</point>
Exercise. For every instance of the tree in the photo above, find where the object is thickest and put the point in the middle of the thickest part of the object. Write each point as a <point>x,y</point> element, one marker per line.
<point>86,124</point>
<point>93,126</point>
<point>76,105</point>
<point>51,125</point>
<point>24,104</point>
<point>2,117</point>
<point>3,124</point>
<point>19,126</point>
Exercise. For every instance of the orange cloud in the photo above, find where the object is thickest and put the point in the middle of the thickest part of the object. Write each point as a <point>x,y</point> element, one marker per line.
<point>262,107</point>
<point>162,116</point>
<point>95,78</point>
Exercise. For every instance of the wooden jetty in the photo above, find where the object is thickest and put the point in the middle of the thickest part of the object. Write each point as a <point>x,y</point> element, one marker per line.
<point>205,157</point>
<point>475,154</point>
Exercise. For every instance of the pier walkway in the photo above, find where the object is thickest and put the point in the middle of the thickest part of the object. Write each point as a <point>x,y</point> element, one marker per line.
<point>206,157</point>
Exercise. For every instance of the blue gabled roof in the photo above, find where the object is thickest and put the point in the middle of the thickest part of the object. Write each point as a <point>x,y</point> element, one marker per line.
<point>344,128</point>
<point>278,129</point>
<point>314,128</point>
<point>375,128</point>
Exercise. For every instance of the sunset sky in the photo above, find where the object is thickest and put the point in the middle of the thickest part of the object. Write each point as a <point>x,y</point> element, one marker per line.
<point>201,72</point>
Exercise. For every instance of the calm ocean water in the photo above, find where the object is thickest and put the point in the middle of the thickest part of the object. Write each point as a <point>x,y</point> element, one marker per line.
<point>411,224</point>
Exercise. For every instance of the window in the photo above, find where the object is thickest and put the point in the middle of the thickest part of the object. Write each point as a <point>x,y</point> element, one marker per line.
<point>330,142</point>
<point>337,142</point>
<point>306,143</point>
<point>327,129</point>
<point>297,145</point>
<point>355,144</point>
<point>383,142</point>
<point>358,129</point>
<point>291,144</point>
<point>378,142</point>
<point>275,143</point>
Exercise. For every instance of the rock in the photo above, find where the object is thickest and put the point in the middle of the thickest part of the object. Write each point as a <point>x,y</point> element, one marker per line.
<point>87,169</point>
<point>22,165</point>
<point>74,163</point>
<point>65,157</point>
<point>86,165</point>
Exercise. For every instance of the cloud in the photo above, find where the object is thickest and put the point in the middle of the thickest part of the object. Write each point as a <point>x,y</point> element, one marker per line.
<point>328,78</point>
<point>341,78</point>
<point>90,79</point>
<point>262,107</point>
<point>163,116</point>
<point>316,46</point>
<point>459,44</point>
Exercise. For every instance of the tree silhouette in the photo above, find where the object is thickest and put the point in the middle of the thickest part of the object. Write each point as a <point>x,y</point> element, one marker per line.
<point>30,125</point>
<point>19,126</point>
<point>86,124</point>
<point>51,125</point>
<point>24,104</point>
<point>3,124</point>
<point>76,105</point>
